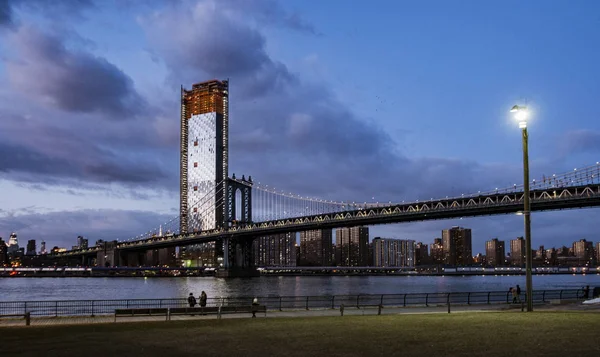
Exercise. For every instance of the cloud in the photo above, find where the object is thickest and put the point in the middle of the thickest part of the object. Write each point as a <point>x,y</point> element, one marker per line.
<point>581,141</point>
<point>62,228</point>
<point>210,40</point>
<point>291,133</point>
<point>73,81</point>
<point>55,9</point>
<point>33,151</point>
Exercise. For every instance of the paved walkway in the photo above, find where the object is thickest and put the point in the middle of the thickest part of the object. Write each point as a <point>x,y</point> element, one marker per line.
<point>75,320</point>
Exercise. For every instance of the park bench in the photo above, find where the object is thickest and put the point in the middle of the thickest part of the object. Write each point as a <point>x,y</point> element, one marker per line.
<point>212,310</point>
<point>141,312</point>
<point>26,316</point>
<point>242,309</point>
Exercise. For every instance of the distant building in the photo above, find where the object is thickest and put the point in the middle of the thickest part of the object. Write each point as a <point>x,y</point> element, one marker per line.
<point>82,243</point>
<point>437,251</point>
<point>598,253</point>
<point>3,253</point>
<point>13,244</point>
<point>389,252</point>
<point>352,245</point>
<point>518,252</point>
<point>421,254</point>
<point>202,255</point>
<point>494,252</point>
<point>43,248</point>
<point>584,251</point>
<point>457,246</point>
<point>316,248</point>
<point>275,250</point>
<point>31,247</point>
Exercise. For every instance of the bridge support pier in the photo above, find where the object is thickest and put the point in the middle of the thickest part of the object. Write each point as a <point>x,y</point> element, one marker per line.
<point>237,258</point>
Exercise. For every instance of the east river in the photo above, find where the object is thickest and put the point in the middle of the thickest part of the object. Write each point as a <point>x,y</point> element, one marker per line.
<point>30,289</point>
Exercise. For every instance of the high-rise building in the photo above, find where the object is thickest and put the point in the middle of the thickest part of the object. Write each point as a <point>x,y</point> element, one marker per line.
<point>82,243</point>
<point>437,251</point>
<point>316,247</point>
<point>421,254</point>
<point>457,246</point>
<point>518,252</point>
<point>353,246</point>
<point>389,252</point>
<point>494,252</point>
<point>13,244</point>
<point>3,253</point>
<point>43,248</point>
<point>31,247</point>
<point>584,251</point>
<point>204,155</point>
<point>276,250</point>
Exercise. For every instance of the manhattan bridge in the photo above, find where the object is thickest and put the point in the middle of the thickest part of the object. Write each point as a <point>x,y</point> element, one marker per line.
<point>216,207</point>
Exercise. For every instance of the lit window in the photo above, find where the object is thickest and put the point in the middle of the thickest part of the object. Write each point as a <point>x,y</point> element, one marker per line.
<point>195,164</point>
<point>195,209</point>
<point>195,188</point>
<point>196,143</point>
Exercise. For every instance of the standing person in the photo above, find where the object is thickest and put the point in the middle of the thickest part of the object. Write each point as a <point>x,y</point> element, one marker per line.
<point>518,293</point>
<point>254,307</point>
<point>192,300</point>
<point>515,296</point>
<point>203,298</point>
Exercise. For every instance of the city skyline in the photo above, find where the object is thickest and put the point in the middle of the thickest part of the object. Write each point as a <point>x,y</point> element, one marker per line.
<point>125,126</point>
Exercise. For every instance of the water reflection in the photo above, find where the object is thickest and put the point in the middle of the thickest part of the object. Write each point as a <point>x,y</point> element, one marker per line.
<point>139,288</point>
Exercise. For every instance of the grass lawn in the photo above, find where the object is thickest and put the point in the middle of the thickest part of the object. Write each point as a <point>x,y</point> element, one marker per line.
<point>466,334</point>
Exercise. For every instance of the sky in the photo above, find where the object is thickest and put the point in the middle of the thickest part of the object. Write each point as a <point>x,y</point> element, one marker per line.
<point>340,100</point>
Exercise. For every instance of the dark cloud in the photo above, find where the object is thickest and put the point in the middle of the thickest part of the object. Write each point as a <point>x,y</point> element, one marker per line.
<point>54,10</point>
<point>6,13</point>
<point>62,228</point>
<point>33,151</point>
<point>581,141</point>
<point>293,134</point>
<point>73,81</point>
<point>212,42</point>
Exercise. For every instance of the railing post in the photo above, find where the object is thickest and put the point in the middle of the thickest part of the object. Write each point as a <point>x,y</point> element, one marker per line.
<point>544,296</point>
<point>168,314</point>
<point>27,318</point>
<point>307,303</point>
<point>448,301</point>
<point>381,301</point>
<point>560,296</point>
<point>358,301</point>
<point>468,298</point>
<point>404,300</point>
<point>333,302</point>
<point>56,308</point>
<point>280,304</point>
<point>379,309</point>
<point>426,299</point>
<point>25,308</point>
<point>92,308</point>
<point>489,302</point>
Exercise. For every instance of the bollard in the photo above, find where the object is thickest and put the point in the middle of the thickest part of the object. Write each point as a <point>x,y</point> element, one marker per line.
<point>342,309</point>
<point>28,319</point>
<point>169,314</point>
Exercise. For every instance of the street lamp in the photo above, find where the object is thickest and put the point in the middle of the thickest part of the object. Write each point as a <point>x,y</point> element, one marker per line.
<point>521,114</point>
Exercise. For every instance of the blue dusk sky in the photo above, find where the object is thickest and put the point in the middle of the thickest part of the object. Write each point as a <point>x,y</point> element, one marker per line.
<point>341,100</point>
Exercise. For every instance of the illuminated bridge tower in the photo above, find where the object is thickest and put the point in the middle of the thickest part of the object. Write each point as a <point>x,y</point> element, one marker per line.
<point>204,156</point>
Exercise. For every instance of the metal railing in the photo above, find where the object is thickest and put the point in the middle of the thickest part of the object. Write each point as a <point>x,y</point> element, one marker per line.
<point>280,303</point>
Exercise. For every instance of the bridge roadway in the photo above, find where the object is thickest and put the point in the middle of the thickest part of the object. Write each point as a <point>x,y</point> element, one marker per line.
<point>546,199</point>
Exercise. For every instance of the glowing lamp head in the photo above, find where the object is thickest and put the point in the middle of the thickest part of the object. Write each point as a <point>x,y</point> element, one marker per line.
<point>521,115</point>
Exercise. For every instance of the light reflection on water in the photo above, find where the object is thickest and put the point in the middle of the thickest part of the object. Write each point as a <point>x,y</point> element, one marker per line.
<point>12,289</point>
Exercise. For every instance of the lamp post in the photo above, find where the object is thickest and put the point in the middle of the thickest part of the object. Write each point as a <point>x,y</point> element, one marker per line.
<point>520,113</point>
